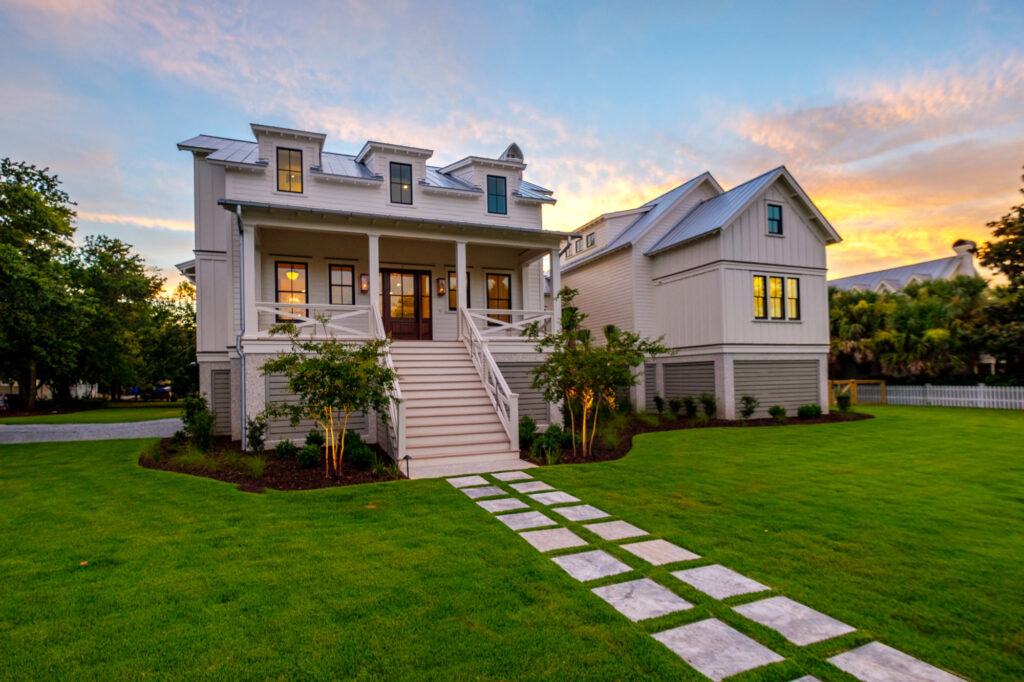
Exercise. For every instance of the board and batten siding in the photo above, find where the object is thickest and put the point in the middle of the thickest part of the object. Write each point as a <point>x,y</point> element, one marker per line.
<point>789,383</point>
<point>220,401</point>
<point>688,379</point>
<point>519,377</point>
<point>605,292</point>
<point>738,318</point>
<point>281,429</point>
<point>690,309</point>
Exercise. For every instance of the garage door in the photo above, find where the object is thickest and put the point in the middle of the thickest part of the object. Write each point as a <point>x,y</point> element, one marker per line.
<point>790,383</point>
<point>281,429</point>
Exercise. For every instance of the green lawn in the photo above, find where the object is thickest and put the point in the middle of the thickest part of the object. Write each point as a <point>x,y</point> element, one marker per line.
<point>112,414</point>
<point>909,527</point>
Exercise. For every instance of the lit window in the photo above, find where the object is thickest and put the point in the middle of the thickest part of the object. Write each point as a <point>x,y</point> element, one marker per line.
<point>793,298</point>
<point>342,283</point>
<point>289,170</point>
<point>499,295</point>
<point>775,298</point>
<point>453,289</point>
<point>496,196</point>
<point>590,240</point>
<point>291,288</point>
<point>774,219</point>
<point>760,298</point>
<point>401,183</point>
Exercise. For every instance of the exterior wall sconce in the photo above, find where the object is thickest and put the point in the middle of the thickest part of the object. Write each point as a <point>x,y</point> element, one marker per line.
<point>441,286</point>
<point>364,283</point>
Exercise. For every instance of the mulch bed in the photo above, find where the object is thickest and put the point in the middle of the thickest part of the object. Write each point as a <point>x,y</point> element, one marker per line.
<point>635,427</point>
<point>279,473</point>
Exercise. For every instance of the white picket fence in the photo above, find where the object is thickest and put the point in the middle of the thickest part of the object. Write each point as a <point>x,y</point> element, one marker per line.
<point>1003,397</point>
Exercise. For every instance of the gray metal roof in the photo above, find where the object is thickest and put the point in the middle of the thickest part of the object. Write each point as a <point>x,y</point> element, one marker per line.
<point>435,178</point>
<point>715,213</point>
<point>226,150</point>
<point>344,165</point>
<point>525,192</point>
<point>523,184</point>
<point>899,277</point>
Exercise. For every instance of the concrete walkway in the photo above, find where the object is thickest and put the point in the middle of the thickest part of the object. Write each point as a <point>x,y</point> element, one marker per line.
<point>44,433</point>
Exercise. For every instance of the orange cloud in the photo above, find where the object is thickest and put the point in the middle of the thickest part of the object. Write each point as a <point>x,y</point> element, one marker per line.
<point>141,221</point>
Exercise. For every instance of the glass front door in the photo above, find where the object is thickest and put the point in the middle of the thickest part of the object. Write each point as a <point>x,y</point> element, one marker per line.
<point>406,304</point>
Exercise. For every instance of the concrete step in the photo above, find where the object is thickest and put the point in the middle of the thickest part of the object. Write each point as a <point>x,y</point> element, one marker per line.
<point>444,468</point>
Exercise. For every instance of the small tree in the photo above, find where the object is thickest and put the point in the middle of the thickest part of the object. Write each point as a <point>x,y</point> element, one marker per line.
<point>583,374</point>
<point>332,379</point>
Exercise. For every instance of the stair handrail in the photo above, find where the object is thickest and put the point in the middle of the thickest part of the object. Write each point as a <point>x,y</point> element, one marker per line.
<point>506,403</point>
<point>396,405</point>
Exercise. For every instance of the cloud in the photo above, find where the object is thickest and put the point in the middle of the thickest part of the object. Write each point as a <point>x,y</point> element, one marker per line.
<point>139,221</point>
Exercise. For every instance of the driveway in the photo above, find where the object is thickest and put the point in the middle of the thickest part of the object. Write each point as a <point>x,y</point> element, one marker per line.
<point>41,433</point>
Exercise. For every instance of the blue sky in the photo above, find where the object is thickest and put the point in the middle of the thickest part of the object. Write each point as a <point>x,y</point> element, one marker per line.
<point>903,121</point>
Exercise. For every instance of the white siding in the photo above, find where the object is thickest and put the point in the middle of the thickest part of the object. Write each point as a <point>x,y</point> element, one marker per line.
<point>689,309</point>
<point>606,291</point>
<point>740,327</point>
<point>747,240</point>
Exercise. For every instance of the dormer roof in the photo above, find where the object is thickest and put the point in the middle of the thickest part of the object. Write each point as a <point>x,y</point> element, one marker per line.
<point>376,146</point>
<point>259,129</point>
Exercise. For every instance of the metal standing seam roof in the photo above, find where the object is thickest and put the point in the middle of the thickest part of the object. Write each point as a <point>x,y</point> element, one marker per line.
<point>900,276</point>
<point>344,165</point>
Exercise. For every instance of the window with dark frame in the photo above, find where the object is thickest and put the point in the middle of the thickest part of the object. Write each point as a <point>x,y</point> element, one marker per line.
<point>499,295</point>
<point>453,296</point>
<point>774,219</point>
<point>497,197</point>
<point>401,183</point>
<point>579,245</point>
<point>793,298</point>
<point>289,170</point>
<point>776,298</point>
<point>290,286</point>
<point>342,285</point>
<point>760,298</point>
<point>591,238</point>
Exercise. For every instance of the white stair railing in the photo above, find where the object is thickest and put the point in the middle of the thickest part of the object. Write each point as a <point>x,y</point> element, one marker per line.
<point>396,406</point>
<point>506,403</point>
<point>337,321</point>
<point>500,323</point>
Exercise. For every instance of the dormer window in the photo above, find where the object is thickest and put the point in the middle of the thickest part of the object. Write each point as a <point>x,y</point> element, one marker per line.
<point>591,238</point>
<point>496,195</point>
<point>401,183</point>
<point>774,219</point>
<point>289,170</point>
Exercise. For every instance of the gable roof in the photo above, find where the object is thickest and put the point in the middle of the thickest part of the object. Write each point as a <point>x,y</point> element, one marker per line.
<point>899,277</point>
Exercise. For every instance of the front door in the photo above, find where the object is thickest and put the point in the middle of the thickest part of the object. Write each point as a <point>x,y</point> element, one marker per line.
<point>405,307</point>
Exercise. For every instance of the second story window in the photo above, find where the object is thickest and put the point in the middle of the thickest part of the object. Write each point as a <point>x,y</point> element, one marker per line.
<point>760,298</point>
<point>401,183</point>
<point>775,298</point>
<point>289,170</point>
<point>774,219</point>
<point>496,196</point>
<point>591,238</point>
<point>793,298</point>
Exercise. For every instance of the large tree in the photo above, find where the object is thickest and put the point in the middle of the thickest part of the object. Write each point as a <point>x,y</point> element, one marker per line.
<point>1005,254</point>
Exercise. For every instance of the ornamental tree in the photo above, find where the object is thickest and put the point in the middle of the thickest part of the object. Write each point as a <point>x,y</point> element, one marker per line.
<point>332,379</point>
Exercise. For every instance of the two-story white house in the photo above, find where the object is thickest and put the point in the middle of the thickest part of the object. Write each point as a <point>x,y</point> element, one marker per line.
<point>733,280</point>
<point>444,260</point>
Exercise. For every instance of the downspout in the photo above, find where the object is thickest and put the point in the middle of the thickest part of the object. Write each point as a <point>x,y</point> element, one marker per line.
<point>241,314</point>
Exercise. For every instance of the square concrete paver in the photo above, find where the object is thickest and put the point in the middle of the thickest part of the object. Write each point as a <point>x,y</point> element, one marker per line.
<point>799,624</point>
<point>554,497</point>
<point>719,582</point>
<point>552,539</point>
<point>642,599</point>
<point>524,520</point>
<point>466,481</point>
<point>530,487</point>
<point>484,491</point>
<point>876,662</point>
<point>591,565</point>
<point>504,504</point>
<point>512,476</point>
<point>659,552</point>
<point>582,512</point>
<point>615,530</point>
<point>715,649</point>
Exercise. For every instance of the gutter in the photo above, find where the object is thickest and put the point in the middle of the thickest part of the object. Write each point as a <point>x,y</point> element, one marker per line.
<point>241,314</point>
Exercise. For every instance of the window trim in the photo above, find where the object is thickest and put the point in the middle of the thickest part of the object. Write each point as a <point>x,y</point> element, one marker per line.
<point>453,290</point>
<point>763,297</point>
<point>496,195</point>
<point>795,299</point>
<point>301,174</point>
<point>277,290</point>
<point>391,185</point>
<point>487,293</point>
<point>330,285</point>
<point>769,220</point>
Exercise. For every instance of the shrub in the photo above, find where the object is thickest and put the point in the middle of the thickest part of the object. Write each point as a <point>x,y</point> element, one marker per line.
<point>316,437</point>
<point>749,406</point>
<point>255,432</point>
<point>610,434</point>
<point>190,406</point>
<point>690,407</point>
<point>286,448</point>
<point>527,432</point>
<point>201,431</point>
<point>308,456</point>
<point>659,404</point>
<point>548,446</point>
<point>178,439</point>
<point>676,405</point>
<point>709,404</point>
<point>844,401</point>
<point>256,466</point>
<point>808,411</point>
<point>648,419</point>
<point>778,413</point>
<point>700,420</point>
<point>358,452</point>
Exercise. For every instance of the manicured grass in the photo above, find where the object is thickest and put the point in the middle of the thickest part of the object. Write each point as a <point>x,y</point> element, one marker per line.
<point>114,413</point>
<point>909,527</point>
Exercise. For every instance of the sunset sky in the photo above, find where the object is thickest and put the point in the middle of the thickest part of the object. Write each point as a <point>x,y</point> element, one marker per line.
<point>903,121</point>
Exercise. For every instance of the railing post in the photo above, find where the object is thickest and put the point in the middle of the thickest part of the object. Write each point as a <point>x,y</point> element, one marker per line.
<point>513,415</point>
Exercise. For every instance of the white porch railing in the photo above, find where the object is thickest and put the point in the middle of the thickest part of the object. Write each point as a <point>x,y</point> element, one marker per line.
<point>496,323</point>
<point>505,402</point>
<point>396,406</point>
<point>341,321</point>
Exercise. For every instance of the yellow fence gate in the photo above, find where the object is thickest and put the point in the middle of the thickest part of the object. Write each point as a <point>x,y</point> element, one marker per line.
<point>862,391</point>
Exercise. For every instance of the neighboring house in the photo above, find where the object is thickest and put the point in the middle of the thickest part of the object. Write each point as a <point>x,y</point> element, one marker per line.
<point>894,279</point>
<point>445,260</point>
<point>734,282</point>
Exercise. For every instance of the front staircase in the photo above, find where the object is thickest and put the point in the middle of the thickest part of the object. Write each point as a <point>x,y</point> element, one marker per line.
<point>451,426</point>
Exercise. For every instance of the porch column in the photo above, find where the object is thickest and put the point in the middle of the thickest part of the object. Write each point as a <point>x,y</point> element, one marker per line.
<point>460,274</point>
<point>556,286</point>
<point>252,323</point>
<point>373,255</point>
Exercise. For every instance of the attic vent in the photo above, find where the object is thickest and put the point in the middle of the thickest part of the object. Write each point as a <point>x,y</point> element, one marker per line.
<point>512,153</point>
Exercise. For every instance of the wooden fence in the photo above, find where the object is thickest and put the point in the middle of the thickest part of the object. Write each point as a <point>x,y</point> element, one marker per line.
<point>867,392</point>
<point>862,391</point>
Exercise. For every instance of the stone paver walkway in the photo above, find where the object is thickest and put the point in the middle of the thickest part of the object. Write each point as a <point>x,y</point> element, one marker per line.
<point>710,646</point>
<point>49,433</point>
